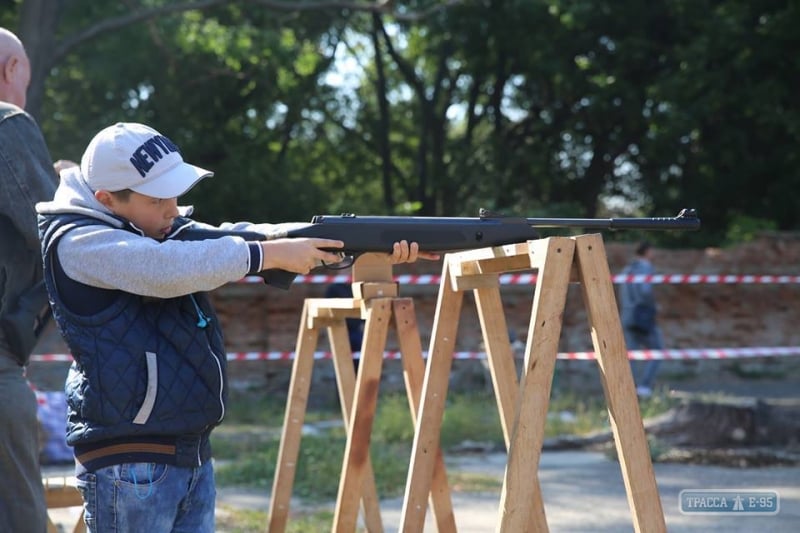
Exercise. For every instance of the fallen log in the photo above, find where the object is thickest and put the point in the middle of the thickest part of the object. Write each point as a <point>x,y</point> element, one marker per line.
<point>730,431</point>
<point>725,422</point>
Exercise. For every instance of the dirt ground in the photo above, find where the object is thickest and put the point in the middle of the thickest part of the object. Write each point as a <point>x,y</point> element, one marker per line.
<point>582,492</point>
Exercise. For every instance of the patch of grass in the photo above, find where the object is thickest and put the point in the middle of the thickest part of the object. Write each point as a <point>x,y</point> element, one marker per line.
<point>318,469</point>
<point>232,441</point>
<point>254,407</point>
<point>466,417</point>
<point>263,409</point>
<point>314,521</point>
<point>234,520</point>
<point>247,450</point>
<point>660,402</point>
<point>471,417</point>
<point>472,482</point>
<point>392,422</point>
<point>571,414</point>
<point>754,370</point>
<point>656,448</point>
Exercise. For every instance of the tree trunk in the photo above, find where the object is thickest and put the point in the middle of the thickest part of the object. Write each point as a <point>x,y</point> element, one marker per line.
<point>38,21</point>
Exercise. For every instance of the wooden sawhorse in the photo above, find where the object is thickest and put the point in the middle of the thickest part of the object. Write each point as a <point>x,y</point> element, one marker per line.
<point>375,300</point>
<point>61,492</point>
<point>523,404</point>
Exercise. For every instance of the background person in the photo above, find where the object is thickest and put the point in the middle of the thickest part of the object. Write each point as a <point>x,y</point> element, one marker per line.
<point>26,177</point>
<point>355,326</point>
<point>639,318</point>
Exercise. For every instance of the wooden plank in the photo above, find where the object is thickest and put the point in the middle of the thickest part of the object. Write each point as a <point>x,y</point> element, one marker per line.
<point>474,269</point>
<point>372,267</point>
<point>471,282</point>
<point>414,374</point>
<point>346,384</point>
<point>521,507</point>
<point>369,290</point>
<point>362,414</point>
<point>61,492</point>
<point>333,307</point>
<point>293,419</point>
<point>618,385</point>
<point>432,400</point>
<point>490,259</point>
<point>503,370</point>
<point>64,496</point>
<point>499,355</point>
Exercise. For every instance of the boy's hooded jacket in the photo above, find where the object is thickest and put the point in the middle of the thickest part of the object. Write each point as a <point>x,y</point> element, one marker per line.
<point>148,381</point>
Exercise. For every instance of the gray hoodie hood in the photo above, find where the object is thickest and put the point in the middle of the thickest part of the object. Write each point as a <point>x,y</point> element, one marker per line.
<point>73,195</point>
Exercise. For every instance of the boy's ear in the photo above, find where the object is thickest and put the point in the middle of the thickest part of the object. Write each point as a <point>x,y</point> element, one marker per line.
<point>105,198</point>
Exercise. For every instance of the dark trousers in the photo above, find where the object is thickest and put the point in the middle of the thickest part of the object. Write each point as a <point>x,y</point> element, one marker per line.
<point>22,505</point>
<point>644,372</point>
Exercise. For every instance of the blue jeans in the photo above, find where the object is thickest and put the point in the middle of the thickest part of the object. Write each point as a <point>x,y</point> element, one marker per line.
<point>644,372</point>
<point>156,498</point>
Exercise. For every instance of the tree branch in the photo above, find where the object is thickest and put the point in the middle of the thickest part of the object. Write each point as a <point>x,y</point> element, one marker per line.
<point>110,24</point>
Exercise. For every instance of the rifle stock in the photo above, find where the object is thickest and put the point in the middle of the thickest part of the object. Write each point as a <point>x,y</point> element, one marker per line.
<point>362,234</point>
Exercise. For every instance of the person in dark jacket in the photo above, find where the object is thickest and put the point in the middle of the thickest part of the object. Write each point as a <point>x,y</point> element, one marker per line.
<point>26,177</point>
<point>639,317</point>
<point>355,326</point>
<point>148,382</point>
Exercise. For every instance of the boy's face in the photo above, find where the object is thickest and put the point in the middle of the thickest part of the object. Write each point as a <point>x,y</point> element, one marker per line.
<point>154,216</point>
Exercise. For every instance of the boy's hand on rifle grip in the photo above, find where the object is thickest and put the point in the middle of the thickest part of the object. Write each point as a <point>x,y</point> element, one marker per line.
<point>299,255</point>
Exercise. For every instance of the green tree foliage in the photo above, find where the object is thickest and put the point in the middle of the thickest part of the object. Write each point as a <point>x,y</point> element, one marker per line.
<point>727,122</point>
<point>229,87</point>
<point>544,108</point>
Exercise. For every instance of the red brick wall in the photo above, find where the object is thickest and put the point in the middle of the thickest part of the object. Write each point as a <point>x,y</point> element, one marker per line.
<point>260,318</point>
<point>703,315</point>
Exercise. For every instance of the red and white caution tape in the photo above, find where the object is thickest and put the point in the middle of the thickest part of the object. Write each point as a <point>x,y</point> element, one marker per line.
<point>696,353</point>
<point>706,278</point>
<point>639,355</point>
<point>530,279</point>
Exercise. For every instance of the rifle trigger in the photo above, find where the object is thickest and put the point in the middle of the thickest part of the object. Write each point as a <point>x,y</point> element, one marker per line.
<point>345,261</point>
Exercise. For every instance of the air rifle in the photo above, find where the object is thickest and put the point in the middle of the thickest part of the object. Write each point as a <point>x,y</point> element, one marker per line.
<point>363,234</point>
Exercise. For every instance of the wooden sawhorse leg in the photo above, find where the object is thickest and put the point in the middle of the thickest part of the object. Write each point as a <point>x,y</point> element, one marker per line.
<point>364,406</point>
<point>521,507</point>
<point>331,314</point>
<point>620,392</point>
<point>293,420</point>
<point>60,493</point>
<point>358,393</point>
<point>414,374</point>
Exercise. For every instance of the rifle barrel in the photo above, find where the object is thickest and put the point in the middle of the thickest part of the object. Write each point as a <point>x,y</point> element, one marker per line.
<point>687,219</point>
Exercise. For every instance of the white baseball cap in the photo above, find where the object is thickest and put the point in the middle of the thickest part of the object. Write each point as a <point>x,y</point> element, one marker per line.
<point>133,156</point>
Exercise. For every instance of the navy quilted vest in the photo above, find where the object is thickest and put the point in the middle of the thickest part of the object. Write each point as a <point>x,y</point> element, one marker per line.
<point>142,366</point>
